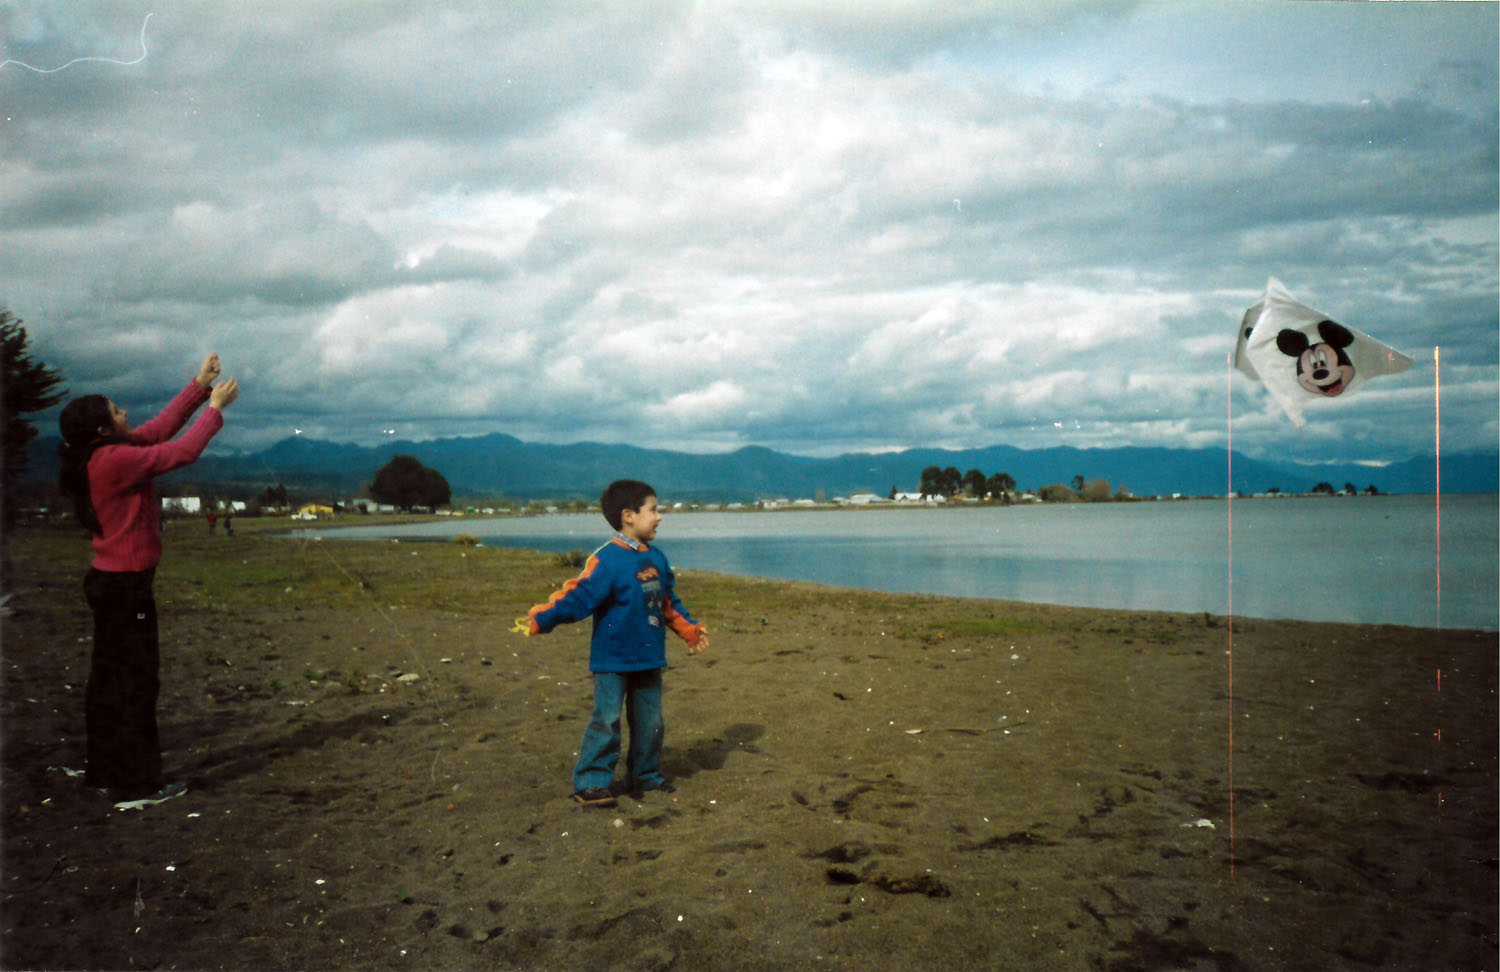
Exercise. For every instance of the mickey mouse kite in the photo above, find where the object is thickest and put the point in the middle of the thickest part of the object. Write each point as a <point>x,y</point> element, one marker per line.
<point>1300,354</point>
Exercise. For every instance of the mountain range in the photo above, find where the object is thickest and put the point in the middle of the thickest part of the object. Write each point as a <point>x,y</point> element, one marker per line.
<point>499,465</point>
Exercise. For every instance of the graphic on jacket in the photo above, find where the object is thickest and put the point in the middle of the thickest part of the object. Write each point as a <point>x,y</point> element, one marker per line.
<point>650,580</point>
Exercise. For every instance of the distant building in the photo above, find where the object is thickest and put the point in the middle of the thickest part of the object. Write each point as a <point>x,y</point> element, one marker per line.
<point>181,504</point>
<point>865,499</point>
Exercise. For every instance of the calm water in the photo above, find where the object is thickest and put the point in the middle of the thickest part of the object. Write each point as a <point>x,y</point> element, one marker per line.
<point>1376,559</point>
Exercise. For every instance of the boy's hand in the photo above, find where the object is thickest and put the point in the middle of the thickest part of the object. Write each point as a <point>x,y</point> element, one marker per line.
<point>522,627</point>
<point>701,645</point>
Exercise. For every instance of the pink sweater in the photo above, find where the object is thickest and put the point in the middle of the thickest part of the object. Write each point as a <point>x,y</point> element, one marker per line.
<point>120,480</point>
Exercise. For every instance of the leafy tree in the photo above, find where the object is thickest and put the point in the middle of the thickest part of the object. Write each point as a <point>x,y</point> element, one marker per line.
<point>974,483</point>
<point>1097,491</point>
<point>1057,493</point>
<point>1323,488</point>
<point>952,481</point>
<point>1000,485</point>
<point>1078,483</point>
<point>274,496</point>
<point>941,482</point>
<point>1372,490</point>
<point>1349,490</point>
<point>405,483</point>
<point>932,482</point>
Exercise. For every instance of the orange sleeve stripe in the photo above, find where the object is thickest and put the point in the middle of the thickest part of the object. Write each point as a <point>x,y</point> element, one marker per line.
<point>588,569</point>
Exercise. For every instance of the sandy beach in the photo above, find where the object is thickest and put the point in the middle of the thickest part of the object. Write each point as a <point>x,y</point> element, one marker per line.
<point>379,779</point>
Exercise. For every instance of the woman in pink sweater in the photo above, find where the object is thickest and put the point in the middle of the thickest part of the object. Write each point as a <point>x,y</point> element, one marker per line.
<point>107,469</point>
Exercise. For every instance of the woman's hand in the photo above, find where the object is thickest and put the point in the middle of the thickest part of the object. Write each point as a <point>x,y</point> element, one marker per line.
<point>208,371</point>
<point>223,393</point>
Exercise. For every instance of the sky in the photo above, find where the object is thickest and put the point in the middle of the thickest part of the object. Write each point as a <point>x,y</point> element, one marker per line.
<point>822,226</point>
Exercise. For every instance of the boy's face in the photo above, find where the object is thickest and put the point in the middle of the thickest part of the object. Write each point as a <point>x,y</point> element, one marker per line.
<point>641,524</point>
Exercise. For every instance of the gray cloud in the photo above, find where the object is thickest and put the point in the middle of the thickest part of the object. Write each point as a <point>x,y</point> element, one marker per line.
<point>819,227</point>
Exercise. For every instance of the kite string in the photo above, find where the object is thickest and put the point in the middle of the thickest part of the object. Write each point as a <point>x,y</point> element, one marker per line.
<point>78,60</point>
<point>1437,477</point>
<point>1229,516</point>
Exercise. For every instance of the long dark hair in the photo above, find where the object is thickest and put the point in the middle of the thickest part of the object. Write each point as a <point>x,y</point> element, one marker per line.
<point>80,422</point>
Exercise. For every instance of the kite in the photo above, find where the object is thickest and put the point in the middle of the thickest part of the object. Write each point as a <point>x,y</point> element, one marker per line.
<point>1299,354</point>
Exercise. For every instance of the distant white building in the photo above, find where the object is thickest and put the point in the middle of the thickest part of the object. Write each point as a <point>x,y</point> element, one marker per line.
<point>181,504</point>
<point>865,499</point>
<point>931,500</point>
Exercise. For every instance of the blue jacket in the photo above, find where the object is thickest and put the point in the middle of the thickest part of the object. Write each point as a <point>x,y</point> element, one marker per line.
<point>630,592</point>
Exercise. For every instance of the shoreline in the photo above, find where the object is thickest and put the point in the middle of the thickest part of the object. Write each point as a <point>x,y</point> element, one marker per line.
<point>1127,585</point>
<point>866,781</point>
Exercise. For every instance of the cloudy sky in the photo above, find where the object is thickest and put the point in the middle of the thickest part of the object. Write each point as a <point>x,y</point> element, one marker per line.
<point>819,226</point>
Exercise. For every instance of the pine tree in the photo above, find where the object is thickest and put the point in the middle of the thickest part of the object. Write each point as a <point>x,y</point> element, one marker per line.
<point>29,386</point>
<point>26,386</point>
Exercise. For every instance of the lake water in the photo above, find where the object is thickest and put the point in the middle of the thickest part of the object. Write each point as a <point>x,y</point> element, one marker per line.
<point>1369,559</point>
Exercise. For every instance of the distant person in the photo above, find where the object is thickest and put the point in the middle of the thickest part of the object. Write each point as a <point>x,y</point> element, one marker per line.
<point>212,520</point>
<point>107,469</point>
<point>627,585</point>
<point>229,524</point>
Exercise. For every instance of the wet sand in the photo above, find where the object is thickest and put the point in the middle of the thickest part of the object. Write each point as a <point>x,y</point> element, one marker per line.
<point>379,779</point>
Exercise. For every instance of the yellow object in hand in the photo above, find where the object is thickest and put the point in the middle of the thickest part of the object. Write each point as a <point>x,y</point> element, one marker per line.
<point>522,626</point>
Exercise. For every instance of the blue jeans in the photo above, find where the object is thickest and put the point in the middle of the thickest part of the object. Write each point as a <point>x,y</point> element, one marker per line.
<point>639,694</point>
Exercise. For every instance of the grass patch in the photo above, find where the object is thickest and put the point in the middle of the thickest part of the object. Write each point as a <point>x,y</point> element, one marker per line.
<point>990,627</point>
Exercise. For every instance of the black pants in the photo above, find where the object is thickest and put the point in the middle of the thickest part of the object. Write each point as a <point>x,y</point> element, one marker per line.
<point>124,752</point>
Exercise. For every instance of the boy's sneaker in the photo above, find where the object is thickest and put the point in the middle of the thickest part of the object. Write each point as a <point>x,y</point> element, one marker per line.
<point>663,787</point>
<point>160,796</point>
<point>595,796</point>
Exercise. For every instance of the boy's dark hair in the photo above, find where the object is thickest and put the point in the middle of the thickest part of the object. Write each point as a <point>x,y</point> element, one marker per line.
<point>621,495</point>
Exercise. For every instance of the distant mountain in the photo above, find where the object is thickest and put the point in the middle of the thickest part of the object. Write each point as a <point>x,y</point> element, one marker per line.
<point>501,465</point>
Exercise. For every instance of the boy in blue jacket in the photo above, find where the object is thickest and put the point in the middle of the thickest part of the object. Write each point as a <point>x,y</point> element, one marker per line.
<point>627,586</point>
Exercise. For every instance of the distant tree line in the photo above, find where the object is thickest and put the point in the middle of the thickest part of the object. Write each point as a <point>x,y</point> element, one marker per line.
<point>949,482</point>
<point>1349,490</point>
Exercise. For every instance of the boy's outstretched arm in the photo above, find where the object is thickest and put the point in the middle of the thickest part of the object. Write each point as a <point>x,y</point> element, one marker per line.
<point>575,601</point>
